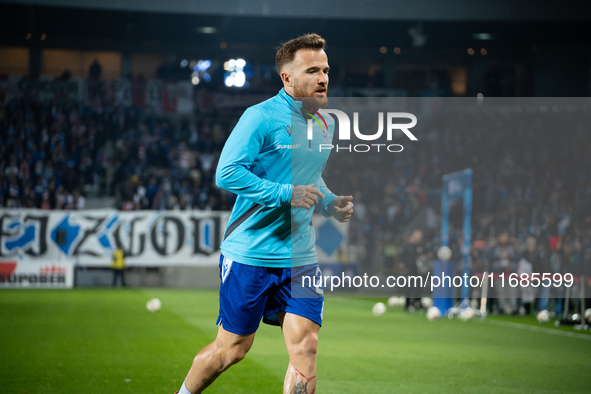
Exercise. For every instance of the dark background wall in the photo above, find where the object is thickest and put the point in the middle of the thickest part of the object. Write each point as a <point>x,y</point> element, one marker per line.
<point>536,48</point>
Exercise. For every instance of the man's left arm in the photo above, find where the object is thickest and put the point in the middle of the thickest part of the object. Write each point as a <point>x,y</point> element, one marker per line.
<point>340,207</point>
<point>324,204</point>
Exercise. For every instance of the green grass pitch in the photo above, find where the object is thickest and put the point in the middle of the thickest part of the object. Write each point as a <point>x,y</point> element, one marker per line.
<point>105,341</point>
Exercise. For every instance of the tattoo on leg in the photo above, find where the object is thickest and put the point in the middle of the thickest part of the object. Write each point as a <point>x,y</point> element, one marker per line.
<point>301,384</point>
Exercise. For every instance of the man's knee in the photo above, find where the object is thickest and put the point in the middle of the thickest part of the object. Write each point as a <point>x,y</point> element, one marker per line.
<point>231,355</point>
<point>307,346</point>
<point>235,355</point>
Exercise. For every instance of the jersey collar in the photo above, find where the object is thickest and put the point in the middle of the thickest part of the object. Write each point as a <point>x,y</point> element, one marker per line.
<point>294,105</point>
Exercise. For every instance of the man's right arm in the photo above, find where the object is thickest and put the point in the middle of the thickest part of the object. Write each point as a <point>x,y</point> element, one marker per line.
<point>239,153</point>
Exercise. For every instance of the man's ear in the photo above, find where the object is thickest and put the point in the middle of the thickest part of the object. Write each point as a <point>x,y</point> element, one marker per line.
<point>285,78</point>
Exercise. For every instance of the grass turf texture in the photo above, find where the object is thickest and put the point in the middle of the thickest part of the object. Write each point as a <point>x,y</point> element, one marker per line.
<point>93,340</point>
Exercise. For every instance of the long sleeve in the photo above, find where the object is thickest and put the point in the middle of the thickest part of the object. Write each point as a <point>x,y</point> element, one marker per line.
<point>238,156</point>
<point>324,204</point>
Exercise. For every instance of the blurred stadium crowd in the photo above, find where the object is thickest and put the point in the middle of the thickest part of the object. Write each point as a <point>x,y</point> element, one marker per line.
<point>532,200</point>
<point>506,255</point>
<point>528,180</point>
<point>53,152</point>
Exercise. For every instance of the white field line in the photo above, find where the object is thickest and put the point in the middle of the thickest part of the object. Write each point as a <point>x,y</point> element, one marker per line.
<point>540,329</point>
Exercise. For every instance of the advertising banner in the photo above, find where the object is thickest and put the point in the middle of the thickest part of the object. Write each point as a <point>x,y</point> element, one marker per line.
<point>37,274</point>
<point>148,238</point>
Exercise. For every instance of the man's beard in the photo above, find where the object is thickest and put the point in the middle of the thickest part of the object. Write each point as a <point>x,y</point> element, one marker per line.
<point>308,101</point>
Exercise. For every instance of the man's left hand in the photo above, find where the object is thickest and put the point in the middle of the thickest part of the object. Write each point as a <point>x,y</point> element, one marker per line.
<point>342,208</point>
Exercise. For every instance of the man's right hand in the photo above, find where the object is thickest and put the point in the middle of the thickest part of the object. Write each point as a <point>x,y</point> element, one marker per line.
<point>305,196</point>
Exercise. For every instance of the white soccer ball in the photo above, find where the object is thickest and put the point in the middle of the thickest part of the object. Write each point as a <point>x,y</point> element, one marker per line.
<point>154,305</point>
<point>453,312</point>
<point>543,316</point>
<point>433,313</point>
<point>444,253</point>
<point>378,309</point>
<point>467,314</point>
<point>588,314</point>
<point>426,302</point>
<point>401,301</point>
<point>393,302</point>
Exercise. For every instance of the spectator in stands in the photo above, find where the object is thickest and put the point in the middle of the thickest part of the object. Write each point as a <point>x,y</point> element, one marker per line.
<point>95,70</point>
<point>536,260</point>
<point>556,267</point>
<point>503,259</point>
<point>409,256</point>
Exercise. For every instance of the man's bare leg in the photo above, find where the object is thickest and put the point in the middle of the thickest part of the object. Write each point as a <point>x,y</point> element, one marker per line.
<point>226,350</point>
<point>301,340</point>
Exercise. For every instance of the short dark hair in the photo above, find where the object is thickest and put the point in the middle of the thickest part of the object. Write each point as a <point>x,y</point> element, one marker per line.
<point>286,52</point>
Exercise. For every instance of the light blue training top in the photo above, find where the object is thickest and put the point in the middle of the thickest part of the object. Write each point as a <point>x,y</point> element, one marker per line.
<point>267,152</point>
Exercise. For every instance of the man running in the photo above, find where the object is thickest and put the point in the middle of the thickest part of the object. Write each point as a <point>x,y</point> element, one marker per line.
<point>269,235</point>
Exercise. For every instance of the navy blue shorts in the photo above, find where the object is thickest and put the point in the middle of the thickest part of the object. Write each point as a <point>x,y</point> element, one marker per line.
<point>249,293</point>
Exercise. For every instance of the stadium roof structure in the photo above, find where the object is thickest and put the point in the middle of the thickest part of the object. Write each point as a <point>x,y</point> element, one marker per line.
<point>73,24</point>
<point>424,10</point>
<point>526,37</point>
